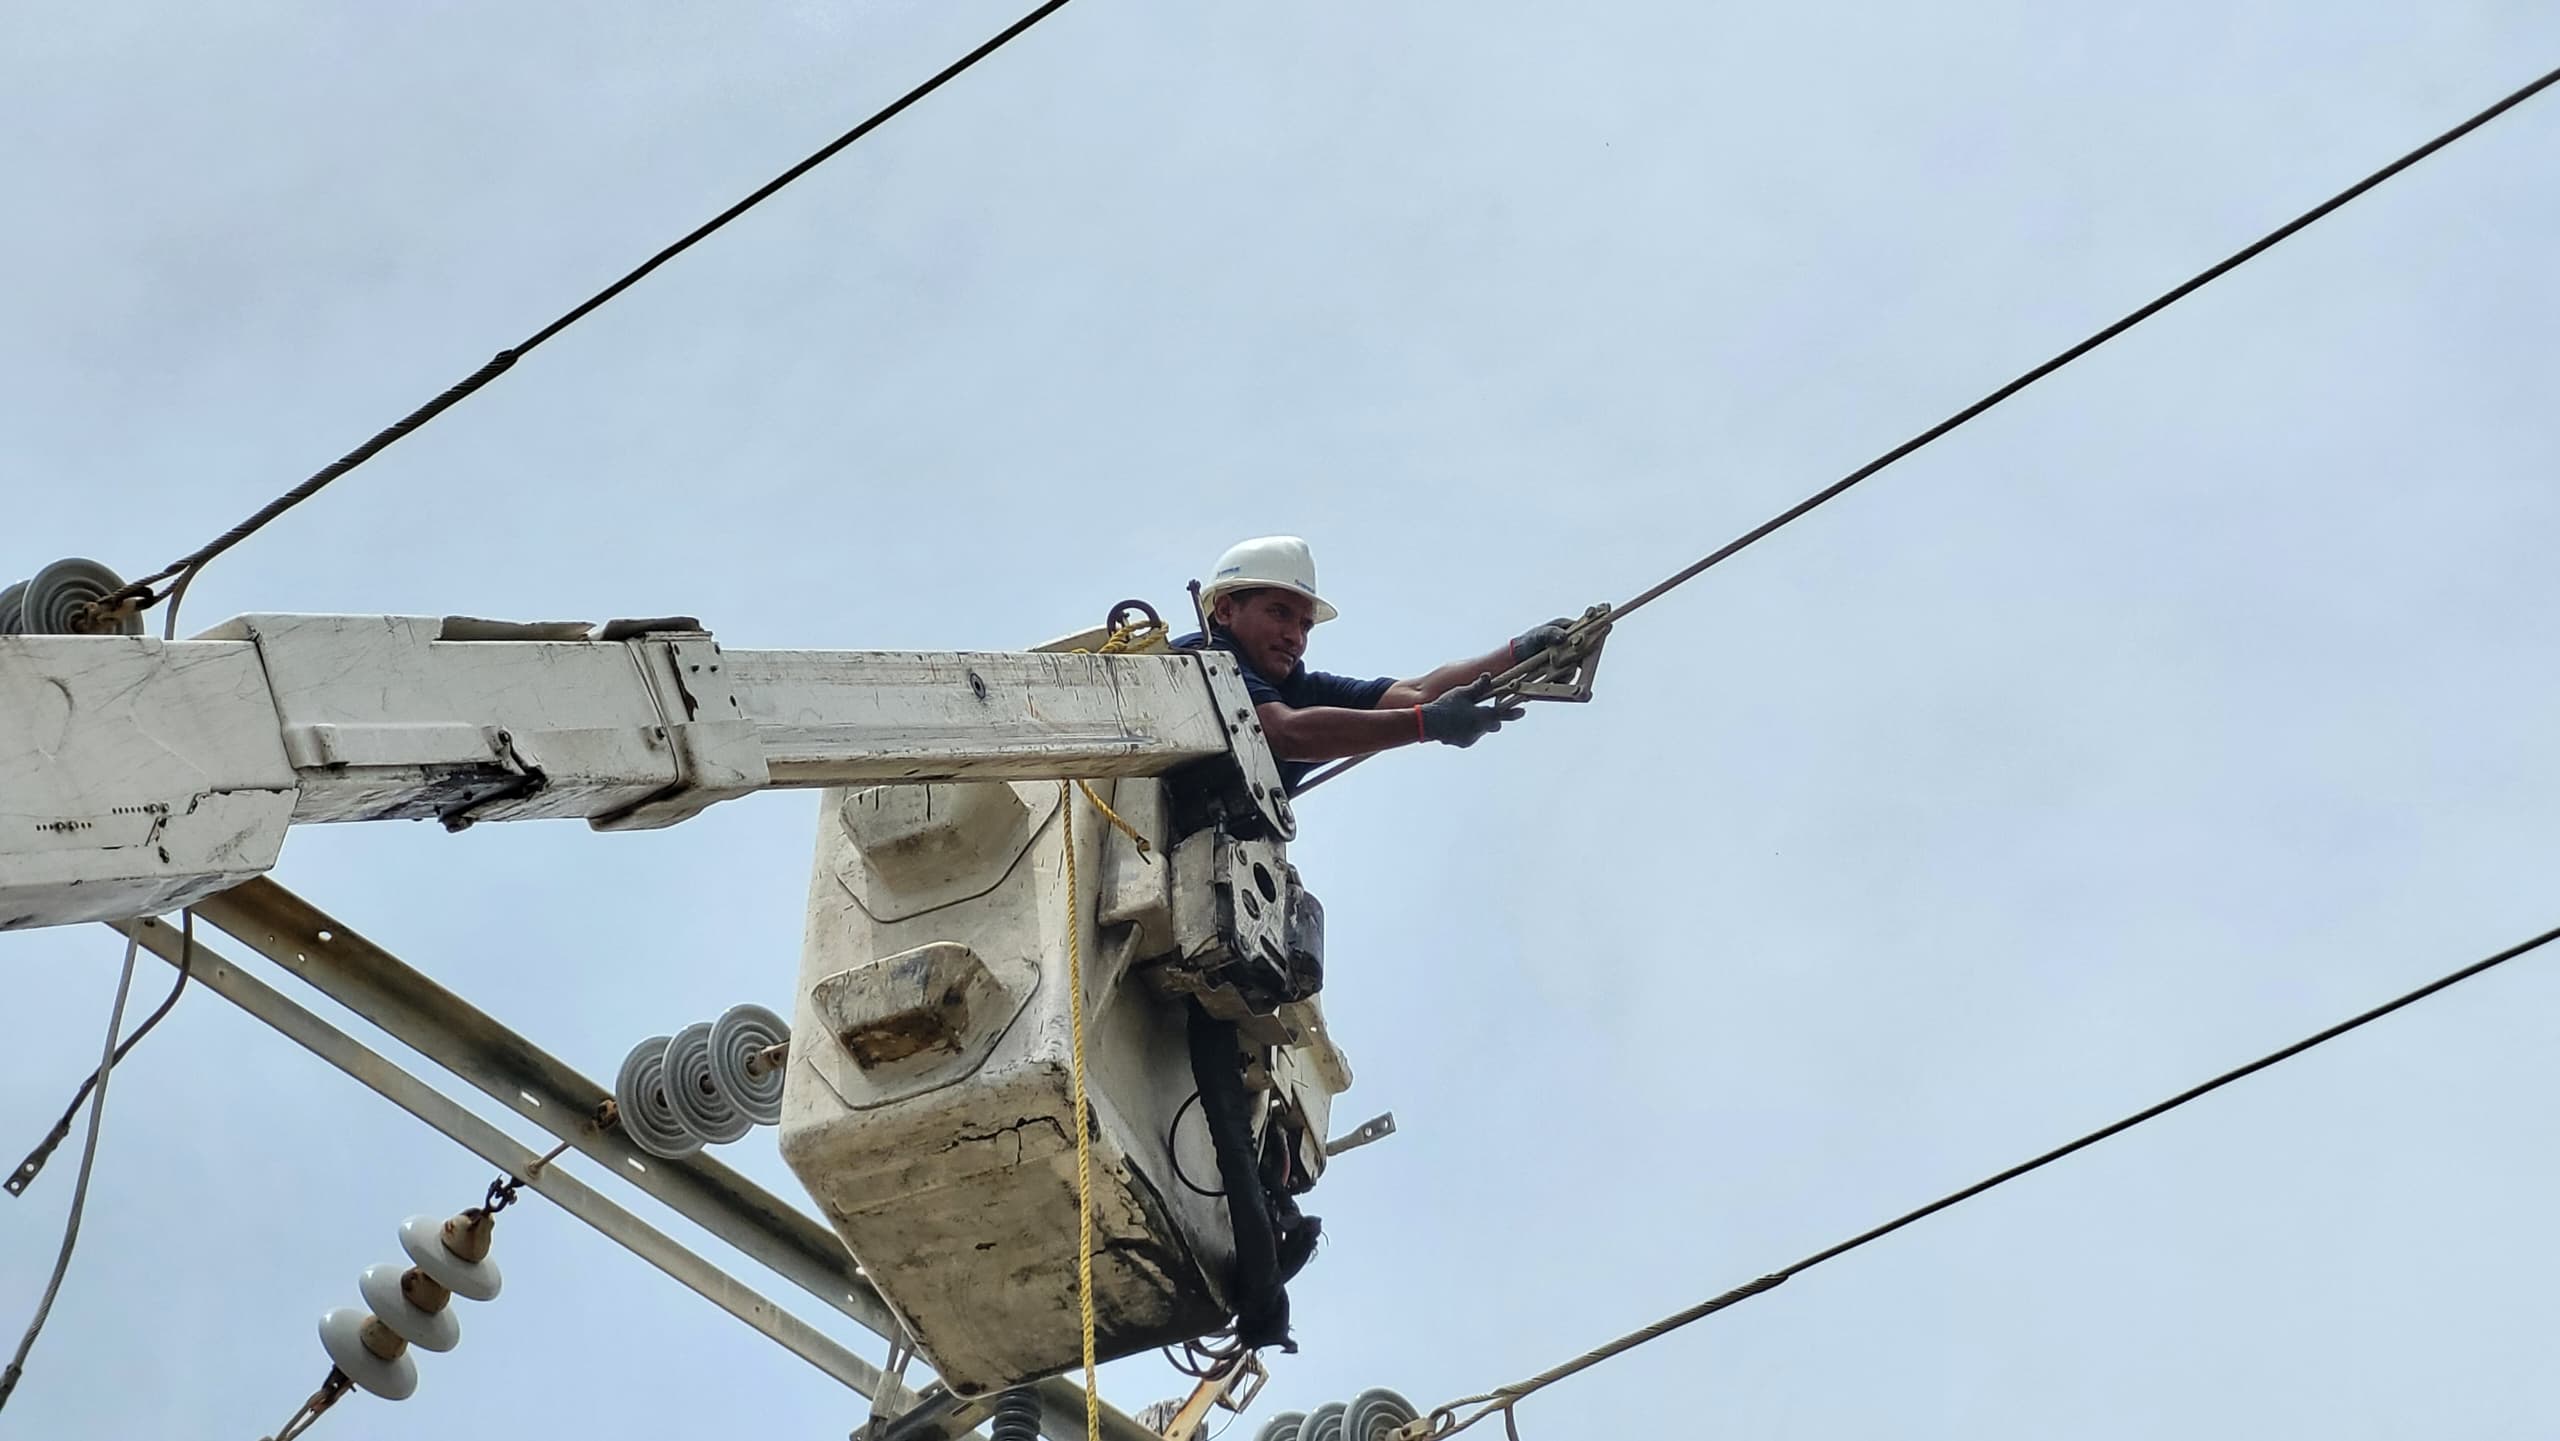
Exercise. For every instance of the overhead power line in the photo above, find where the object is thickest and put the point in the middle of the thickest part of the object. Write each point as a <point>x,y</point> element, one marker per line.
<point>2163,301</point>
<point>498,365</point>
<point>1446,1422</point>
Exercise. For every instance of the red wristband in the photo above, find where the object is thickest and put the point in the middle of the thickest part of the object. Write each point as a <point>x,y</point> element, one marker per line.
<point>1421,732</point>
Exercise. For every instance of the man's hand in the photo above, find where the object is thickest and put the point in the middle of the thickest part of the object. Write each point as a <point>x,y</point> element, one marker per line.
<point>1538,638</point>
<point>1461,717</point>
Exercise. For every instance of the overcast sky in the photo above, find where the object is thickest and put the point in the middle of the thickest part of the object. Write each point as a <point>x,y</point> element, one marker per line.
<point>2196,699</point>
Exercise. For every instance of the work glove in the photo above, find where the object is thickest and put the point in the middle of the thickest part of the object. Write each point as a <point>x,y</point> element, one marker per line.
<point>1539,637</point>
<point>1462,717</point>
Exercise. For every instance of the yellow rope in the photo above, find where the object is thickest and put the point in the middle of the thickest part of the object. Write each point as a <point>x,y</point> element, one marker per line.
<point>1084,1142</point>
<point>1135,636</point>
<point>1145,852</point>
<point>1121,641</point>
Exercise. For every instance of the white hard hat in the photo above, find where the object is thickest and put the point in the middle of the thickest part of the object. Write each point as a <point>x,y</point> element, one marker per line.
<point>1266,561</point>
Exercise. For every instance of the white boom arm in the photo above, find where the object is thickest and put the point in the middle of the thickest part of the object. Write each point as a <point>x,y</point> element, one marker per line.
<point>138,776</point>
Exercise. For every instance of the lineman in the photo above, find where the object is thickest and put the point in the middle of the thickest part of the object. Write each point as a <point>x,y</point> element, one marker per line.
<point>1262,603</point>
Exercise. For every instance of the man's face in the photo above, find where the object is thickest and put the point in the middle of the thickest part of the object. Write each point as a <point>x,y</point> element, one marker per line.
<point>1270,627</point>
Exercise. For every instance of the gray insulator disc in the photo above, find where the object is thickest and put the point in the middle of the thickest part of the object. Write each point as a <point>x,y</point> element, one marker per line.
<point>426,1330</point>
<point>700,1106</point>
<point>60,589</point>
<point>1325,1422</point>
<point>1283,1427</point>
<point>640,1094</point>
<point>1375,1415</point>
<point>11,617</point>
<point>423,1238</point>
<point>740,1034</point>
<point>342,1336</point>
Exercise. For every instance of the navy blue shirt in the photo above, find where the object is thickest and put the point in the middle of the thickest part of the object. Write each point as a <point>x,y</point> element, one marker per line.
<point>1298,690</point>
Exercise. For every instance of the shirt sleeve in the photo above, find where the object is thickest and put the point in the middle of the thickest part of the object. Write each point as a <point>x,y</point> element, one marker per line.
<point>1320,688</point>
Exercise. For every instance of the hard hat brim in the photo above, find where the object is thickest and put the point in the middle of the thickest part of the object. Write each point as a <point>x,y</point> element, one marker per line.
<point>1209,595</point>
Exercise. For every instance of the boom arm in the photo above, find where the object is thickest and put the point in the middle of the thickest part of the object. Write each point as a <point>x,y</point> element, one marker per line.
<point>138,776</point>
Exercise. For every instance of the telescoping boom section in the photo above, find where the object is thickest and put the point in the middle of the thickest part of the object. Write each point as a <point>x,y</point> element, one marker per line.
<point>138,776</point>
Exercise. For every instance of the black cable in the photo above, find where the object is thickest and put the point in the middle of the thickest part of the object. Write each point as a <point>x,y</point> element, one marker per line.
<point>1170,1134</point>
<point>1502,1399</point>
<point>2167,298</point>
<point>79,1192</point>
<point>2163,301</point>
<point>27,1170</point>
<point>499,363</point>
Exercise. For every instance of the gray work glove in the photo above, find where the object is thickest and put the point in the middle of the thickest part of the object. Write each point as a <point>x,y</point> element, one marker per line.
<point>1539,637</point>
<point>1461,717</point>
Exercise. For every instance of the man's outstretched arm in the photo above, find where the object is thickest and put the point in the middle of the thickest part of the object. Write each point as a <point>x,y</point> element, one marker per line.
<point>1426,688</point>
<point>1327,733</point>
<point>1332,733</point>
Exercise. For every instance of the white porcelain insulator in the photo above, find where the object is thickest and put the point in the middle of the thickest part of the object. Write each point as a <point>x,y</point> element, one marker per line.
<point>426,1330</point>
<point>742,1033</point>
<point>640,1096</point>
<point>699,1104</point>
<point>423,1238</point>
<point>342,1336</point>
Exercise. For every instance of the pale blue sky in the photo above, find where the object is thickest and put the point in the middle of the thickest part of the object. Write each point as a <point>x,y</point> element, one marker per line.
<point>2196,699</point>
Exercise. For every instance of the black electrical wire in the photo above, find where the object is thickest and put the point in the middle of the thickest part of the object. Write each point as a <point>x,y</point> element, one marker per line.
<point>1445,1422</point>
<point>499,364</point>
<point>25,1175</point>
<point>1172,1149</point>
<point>2135,317</point>
<point>17,1366</point>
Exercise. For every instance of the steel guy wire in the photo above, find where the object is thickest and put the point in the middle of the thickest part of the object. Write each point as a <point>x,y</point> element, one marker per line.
<point>187,566</point>
<point>1445,1421</point>
<point>2128,321</point>
<point>80,1190</point>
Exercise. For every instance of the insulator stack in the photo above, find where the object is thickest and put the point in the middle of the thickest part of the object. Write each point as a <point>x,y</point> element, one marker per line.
<point>1370,1416</point>
<point>57,602</point>
<point>411,1305</point>
<point>1017,1416</point>
<point>1376,1415</point>
<point>707,1084</point>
